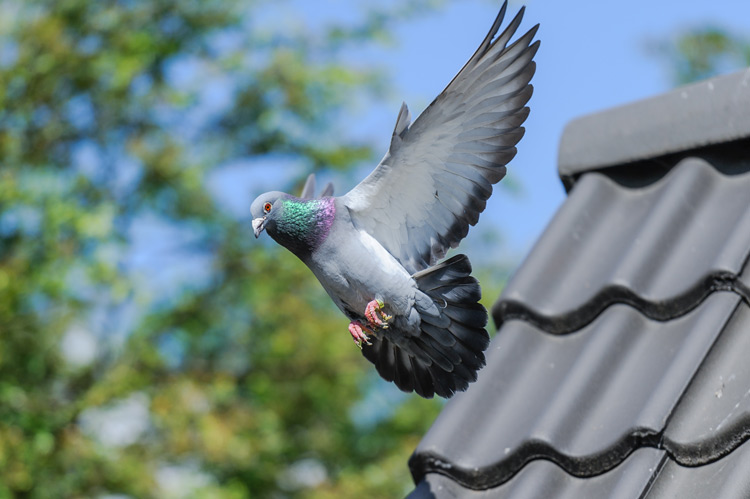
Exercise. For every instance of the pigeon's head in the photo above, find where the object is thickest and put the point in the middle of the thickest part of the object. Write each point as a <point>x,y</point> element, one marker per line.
<point>300,225</point>
<point>264,210</point>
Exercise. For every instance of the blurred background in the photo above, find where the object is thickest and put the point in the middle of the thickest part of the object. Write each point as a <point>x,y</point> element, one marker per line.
<point>149,345</point>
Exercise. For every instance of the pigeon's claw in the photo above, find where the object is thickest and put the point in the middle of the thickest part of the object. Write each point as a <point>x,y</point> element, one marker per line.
<point>376,321</point>
<point>357,330</point>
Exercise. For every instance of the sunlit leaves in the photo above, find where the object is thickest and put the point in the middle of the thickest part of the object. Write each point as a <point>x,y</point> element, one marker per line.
<point>703,52</point>
<point>239,380</point>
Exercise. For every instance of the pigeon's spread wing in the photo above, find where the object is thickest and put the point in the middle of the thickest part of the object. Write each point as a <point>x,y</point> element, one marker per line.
<point>438,173</point>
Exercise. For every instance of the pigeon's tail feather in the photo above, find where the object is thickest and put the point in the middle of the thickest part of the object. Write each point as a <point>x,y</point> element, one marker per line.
<point>453,325</point>
<point>449,350</point>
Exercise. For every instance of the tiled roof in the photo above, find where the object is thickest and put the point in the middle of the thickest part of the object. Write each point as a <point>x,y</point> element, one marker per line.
<point>620,367</point>
<point>697,116</point>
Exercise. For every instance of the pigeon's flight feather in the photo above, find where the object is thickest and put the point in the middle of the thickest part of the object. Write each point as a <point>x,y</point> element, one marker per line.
<point>438,173</point>
<point>376,250</point>
<point>308,191</point>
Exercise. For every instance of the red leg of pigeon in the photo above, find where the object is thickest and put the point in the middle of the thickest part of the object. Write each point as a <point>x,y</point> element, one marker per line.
<point>372,310</point>
<point>357,330</point>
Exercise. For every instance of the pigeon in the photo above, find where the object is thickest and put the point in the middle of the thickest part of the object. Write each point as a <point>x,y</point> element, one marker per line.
<point>377,250</point>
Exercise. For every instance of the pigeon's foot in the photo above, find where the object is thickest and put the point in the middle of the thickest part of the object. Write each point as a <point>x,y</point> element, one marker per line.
<point>357,330</point>
<point>375,315</point>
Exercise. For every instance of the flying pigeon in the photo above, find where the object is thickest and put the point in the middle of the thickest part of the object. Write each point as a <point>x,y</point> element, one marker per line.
<point>377,249</point>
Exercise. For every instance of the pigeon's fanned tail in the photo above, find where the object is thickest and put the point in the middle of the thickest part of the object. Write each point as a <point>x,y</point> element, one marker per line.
<point>445,357</point>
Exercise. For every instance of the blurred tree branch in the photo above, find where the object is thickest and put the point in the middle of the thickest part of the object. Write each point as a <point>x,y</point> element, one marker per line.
<point>114,118</point>
<point>701,53</point>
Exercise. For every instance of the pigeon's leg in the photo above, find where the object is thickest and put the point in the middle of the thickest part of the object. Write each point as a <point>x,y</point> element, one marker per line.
<point>372,310</point>
<point>357,330</point>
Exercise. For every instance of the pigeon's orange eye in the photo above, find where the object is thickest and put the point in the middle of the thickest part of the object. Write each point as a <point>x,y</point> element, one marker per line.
<point>267,207</point>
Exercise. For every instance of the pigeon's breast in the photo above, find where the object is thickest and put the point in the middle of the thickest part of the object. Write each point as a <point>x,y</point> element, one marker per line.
<point>355,269</point>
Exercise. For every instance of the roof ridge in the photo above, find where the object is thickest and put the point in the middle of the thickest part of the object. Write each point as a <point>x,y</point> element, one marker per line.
<point>694,116</point>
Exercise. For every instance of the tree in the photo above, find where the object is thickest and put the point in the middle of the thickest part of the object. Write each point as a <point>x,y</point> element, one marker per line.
<point>702,52</point>
<point>221,378</point>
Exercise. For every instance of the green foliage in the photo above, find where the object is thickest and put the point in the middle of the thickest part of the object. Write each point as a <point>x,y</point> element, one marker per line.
<point>241,380</point>
<point>703,52</point>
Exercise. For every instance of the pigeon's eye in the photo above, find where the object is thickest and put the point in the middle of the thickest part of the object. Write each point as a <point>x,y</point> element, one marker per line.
<point>267,207</point>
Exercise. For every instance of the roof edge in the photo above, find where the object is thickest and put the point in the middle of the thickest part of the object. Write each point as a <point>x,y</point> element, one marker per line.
<point>706,113</point>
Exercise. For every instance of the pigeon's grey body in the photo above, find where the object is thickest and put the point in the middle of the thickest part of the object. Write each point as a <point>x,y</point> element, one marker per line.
<point>382,240</point>
<point>355,269</point>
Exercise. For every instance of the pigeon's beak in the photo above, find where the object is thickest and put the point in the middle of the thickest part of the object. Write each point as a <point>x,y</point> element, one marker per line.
<point>258,225</point>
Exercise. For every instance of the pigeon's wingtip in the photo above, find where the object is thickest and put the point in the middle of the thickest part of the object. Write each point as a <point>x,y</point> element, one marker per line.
<point>403,120</point>
<point>308,191</point>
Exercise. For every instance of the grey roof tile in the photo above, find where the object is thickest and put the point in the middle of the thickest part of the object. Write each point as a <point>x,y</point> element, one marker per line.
<point>705,113</point>
<point>543,479</point>
<point>583,400</point>
<point>620,364</point>
<point>658,248</point>
<point>728,478</point>
<point>714,416</point>
<point>647,473</point>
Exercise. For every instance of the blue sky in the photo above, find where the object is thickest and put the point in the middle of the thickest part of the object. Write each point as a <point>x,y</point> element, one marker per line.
<point>594,55</point>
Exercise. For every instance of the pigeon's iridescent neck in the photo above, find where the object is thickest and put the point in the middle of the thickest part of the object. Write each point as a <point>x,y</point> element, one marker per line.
<point>304,224</point>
